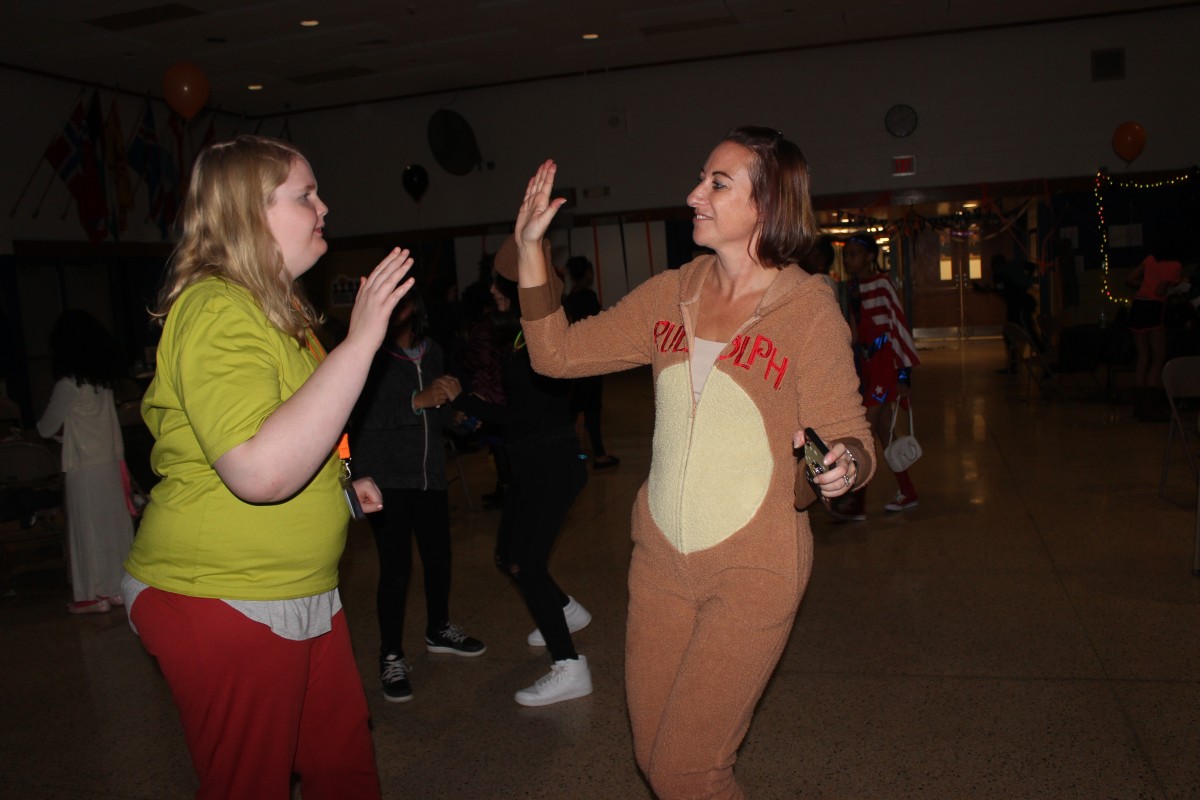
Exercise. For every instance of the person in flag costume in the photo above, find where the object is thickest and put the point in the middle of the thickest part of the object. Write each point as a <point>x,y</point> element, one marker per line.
<point>884,355</point>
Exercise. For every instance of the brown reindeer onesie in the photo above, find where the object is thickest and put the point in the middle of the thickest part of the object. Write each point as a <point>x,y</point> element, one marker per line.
<point>721,556</point>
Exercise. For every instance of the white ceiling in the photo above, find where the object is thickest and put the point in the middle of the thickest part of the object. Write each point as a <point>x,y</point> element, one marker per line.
<point>367,50</point>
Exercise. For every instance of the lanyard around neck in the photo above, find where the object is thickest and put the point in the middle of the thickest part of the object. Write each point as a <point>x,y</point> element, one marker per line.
<point>318,351</point>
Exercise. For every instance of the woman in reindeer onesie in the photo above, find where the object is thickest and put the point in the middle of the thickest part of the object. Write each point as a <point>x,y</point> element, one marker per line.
<point>747,350</point>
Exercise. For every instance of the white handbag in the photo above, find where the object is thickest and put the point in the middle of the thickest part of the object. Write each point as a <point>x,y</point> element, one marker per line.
<point>901,453</point>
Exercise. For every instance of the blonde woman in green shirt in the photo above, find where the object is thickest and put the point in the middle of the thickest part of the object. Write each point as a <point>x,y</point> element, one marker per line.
<point>232,579</point>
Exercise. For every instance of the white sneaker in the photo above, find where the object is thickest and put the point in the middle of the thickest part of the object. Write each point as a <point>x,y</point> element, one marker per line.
<point>577,618</point>
<point>901,502</point>
<point>566,680</point>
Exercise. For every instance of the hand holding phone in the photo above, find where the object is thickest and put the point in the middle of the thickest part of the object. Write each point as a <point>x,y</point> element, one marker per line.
<point>814,453</point>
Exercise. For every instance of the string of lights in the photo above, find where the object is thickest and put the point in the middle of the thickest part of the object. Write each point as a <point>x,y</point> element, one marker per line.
<point>1105,181</point>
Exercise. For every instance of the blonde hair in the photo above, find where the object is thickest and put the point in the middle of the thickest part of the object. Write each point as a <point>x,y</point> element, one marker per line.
<point>225,231</point>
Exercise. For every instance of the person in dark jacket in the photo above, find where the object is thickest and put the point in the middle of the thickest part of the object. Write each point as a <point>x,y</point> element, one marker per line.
<point>397,440</point>
<point>547,473</point>
<point>587,397</point>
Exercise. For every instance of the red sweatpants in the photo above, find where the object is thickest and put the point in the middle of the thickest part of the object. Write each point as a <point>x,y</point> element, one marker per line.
<point>256,707</point>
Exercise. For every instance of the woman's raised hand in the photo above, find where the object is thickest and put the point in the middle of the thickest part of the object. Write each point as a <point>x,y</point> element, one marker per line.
<point>537,209</point>
<point>378,294</point>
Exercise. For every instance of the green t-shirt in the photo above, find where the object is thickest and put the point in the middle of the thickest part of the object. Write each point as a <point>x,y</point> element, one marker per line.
<point>223,368</point>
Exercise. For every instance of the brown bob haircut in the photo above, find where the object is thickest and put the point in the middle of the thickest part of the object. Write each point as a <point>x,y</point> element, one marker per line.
<point>779,188</point>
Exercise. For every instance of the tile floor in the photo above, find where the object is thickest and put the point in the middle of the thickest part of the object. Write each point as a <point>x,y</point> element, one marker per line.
<point>1032,630</point>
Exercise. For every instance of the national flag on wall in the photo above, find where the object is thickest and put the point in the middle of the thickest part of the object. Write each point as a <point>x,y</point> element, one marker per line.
<point>73,157</point>
<point>170,189</point>
<point>156,166</point>
<point>117,168</point>
<point>145,156</point>
<point>93,162</point>
<point>63,153</point>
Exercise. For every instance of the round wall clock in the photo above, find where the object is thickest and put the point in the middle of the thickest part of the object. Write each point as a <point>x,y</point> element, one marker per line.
<point>900,120</point>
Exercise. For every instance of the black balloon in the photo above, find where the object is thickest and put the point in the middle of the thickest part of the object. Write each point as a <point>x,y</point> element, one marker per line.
<point>416,181</point>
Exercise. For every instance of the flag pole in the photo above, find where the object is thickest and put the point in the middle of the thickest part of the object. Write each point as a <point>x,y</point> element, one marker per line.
<point>49,182</point>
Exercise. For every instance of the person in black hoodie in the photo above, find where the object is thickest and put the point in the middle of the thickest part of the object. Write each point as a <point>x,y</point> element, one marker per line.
<point>548,471</point>
<point>587,398</point>
<point>397,440</point>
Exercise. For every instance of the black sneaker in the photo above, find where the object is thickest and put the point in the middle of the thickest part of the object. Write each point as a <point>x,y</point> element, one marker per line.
<point>452,640</point>
<point>393,673</point>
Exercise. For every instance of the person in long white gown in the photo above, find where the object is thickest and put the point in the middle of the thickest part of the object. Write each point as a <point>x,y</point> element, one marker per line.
<point>82,413</point>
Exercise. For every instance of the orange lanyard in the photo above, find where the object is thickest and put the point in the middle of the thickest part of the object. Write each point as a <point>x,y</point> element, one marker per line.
<point>318,351</point>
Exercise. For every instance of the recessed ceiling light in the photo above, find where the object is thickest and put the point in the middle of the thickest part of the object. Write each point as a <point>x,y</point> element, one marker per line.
<point>310,23</point>
<point>255,87</point>
<point>971,204</point>
<point>590,36</point>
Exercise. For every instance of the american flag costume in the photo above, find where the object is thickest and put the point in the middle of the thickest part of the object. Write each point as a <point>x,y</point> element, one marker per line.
<point>884,347</point>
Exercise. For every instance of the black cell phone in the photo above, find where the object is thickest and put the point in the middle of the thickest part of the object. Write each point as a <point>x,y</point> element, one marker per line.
<point>356,509</point>
<point>814,453</point>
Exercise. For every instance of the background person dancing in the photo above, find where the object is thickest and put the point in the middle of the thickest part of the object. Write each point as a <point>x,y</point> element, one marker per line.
<point>547,472</point>
<point>397,440</point>
<point>587,395</point>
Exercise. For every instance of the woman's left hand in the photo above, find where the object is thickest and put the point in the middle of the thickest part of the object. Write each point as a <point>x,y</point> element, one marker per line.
<point>369,496</point>
<point>537,209</point>
<point>842,472</point>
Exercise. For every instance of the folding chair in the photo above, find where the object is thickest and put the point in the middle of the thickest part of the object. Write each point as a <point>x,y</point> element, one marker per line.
<point>1181,379</point>
<point>1025,352</point>
<point>10,416</point>
<point>32,487</point>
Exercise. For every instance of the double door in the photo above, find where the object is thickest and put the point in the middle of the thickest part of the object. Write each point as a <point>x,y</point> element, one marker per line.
<point>947,281</point>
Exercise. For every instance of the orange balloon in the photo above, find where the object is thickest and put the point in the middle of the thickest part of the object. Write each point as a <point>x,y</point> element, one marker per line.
<point>185,87</point>
<point>1128,141</point>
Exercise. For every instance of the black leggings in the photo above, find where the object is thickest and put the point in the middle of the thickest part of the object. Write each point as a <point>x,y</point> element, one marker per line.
<point>547,475</point>
<point>587,396</point>
<point>427,515</point>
